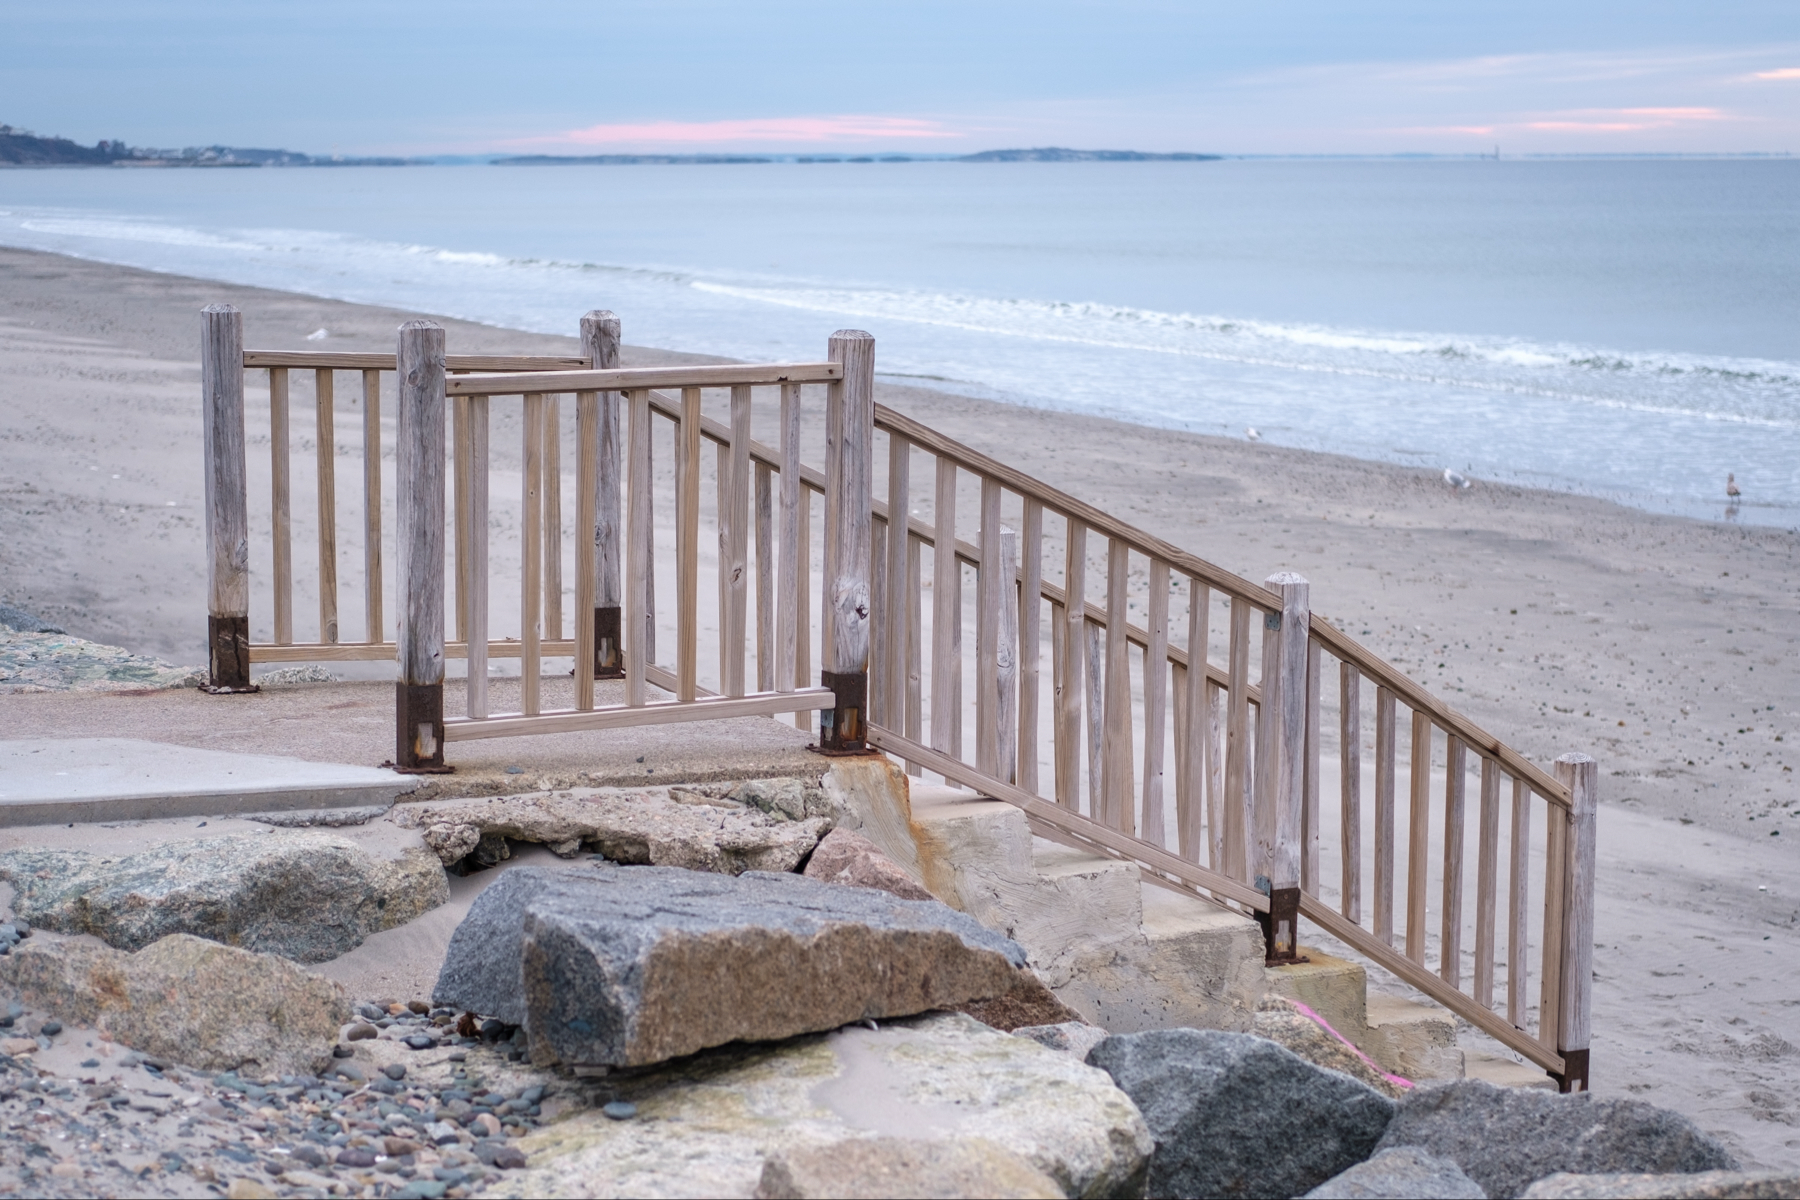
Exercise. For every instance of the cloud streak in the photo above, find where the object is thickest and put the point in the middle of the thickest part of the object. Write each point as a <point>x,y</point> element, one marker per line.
<point>763,130</point>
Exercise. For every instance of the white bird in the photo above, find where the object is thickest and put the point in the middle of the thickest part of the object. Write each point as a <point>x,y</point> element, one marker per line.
<point>1731,487</point>
<point>1253,434</point>
<point>1455,479</point>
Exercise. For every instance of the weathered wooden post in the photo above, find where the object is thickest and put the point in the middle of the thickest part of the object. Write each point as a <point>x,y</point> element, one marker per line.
<point>850,437</point>
<point>600,339</point>
<point>419,700</point>
<point>1581,775</point>
<point>1281,763</point>
<point>227,509</point>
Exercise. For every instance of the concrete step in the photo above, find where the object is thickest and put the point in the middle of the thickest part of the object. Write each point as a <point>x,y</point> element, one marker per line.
<point>1413,1040</point>
<point>49,781</point>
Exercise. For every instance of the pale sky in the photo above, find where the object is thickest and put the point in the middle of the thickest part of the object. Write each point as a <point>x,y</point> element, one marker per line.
<point>924,76</point>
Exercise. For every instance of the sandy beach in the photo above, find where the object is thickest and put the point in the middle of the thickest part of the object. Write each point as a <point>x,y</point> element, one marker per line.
<point>1667,648</point>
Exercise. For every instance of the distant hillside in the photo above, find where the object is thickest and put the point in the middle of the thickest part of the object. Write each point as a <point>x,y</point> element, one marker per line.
<point>614,160</point>
<point>1059,154</point>
<point>21,148</point>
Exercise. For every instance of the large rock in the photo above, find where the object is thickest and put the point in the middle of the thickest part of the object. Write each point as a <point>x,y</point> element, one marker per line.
<point>1302,1031</point>
<point>1703,1185</point>
<point>847,857</point>
<point>918,1169</point>
<point>1504,1138</point>
<point>305,895</point>
<point>623,966</point>
<point>1403,1173</point>
<point>706,1126</point>
<point>187,999</point>
<point>1236,1115</point>
<point>1027,1002</point>
<point>664,827</point>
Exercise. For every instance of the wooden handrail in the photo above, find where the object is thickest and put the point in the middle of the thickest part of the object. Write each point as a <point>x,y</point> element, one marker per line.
<point>634,378</point>
<point>341,360</point>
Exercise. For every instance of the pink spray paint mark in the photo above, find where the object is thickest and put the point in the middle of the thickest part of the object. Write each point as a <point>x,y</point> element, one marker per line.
<point>1322,1023</point>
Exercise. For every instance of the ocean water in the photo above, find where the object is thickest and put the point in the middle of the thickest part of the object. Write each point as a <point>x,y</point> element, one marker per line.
<point>1628,329</point>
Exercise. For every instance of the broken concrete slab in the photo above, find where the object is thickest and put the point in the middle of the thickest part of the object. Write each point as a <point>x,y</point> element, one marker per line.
<point>625,966</point>
<point>705,1126</point>
<point>304,895</point>
<point>640,826</point>
<point>54,780</point>
<point>186,999</point>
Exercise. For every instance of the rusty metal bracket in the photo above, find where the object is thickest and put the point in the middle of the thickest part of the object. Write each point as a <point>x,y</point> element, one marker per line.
<point>609,645</point>
<point>1574,1077</point>
<point>228,656</point>
<point>419,729</point>
<point>1281,926</point>
<point>843,728</point>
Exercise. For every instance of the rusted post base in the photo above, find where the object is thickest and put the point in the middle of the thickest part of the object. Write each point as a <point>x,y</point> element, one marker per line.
<point>1575,1072</point>
<point>609,644</point>
<point>228,656</point>
<point>419,736</point>
<point>1281,927</point>
<point>843,729</point>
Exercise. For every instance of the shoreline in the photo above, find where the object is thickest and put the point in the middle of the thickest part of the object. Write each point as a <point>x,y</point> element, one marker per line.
<point>1664,646</point>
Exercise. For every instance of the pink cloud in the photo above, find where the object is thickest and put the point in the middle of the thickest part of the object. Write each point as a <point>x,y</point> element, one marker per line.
<point>1778,73</point>
<point>1626,120</point>
<point>767,129</point>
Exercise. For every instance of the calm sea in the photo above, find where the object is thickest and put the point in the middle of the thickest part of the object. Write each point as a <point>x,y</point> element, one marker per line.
<point>1629,329</point>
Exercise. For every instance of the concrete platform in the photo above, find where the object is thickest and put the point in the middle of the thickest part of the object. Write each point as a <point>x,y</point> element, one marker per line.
<point>79,779</point>
<point>353,723</point>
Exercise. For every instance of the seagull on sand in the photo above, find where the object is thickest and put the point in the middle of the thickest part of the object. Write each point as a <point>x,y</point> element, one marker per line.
<point>1253,434</point>
<point>1731,487</point>
<point>1456,479</point>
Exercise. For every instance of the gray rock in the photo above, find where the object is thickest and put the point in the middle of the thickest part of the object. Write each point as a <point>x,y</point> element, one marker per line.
<point>1236,1115</point>
<point>187,1000</point>
<point>788,799</point>
<point>1070,1037</point>
<point>24,622</point>
<point>875,1168</point>
<point>847,857</point>
<point>638,826</point>
<point>1703,1185</point>
<point>1504,1138</point>
<point>628,966</point>
<point>1403,1173</point>
<point>305,896</point>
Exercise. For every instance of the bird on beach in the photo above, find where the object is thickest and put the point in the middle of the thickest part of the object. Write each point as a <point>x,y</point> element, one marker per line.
<point>1253,434</point>
<point>1731,487</point>
<point>1456,479</point>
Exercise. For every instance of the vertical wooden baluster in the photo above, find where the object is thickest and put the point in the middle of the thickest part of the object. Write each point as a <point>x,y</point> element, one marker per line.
<point>639,547</point>
<point>551,491</point>
<point>1006,657</point>
<point>1281,759</point>
<point>1217,718</point>
<point>600,338</point>
<point>1556,846</point>
<point>956,676</point>
<point>765,578</point>
<point>1350,789</point>
<point>281,505</point>
<point>650,532</point>
<point>1386,758</point>
<point>803,605</point>
<point>946,609</point>
<point>1156,689</point>
<point>878,622</point>
<point>1418,850</point>
<point>1178,705</point>
<point>459,444</point>
<point>915,644</point>
<point>1190,817</point>
<point>1581,775</point>
<point>790,598</point>
<point>899,598</point>
<point>1517,897</point>
<point>1456,768</point>
<point>1487,883</point>
<point>371,397</point>
<point>587,469</point>
<point>988,585</point>
<point>419,699</point>
<point>1093,641</point>
<point>531,582</point>
<point>1059,659</point>
<point>227,499</point>
<point>735,511</point>
<point>687,548</point>
<point>1310,834</point>
<point>325,456</point>
<point>722,535</point>
<point>849,504</point>
<point>1069,667</point>
<point>476,577</point>
<point>1236,815</point>
<point>1031,598</point>
<point>1117,774</point>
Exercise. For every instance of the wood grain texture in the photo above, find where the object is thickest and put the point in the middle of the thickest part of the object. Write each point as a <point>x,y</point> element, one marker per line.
<point>1487,863</point>
<point>668,712</point>
<point>915,643</point>
<point>551,481</point>
<point>1281,760</point>
<point>1093,643</point>
<point>1236,815</point>
<point>1070,671</point>
<point>639,546</point>
<point>325,461</point>
<point>734,566</point>
<point>600,333</point>
<point>1350,791</point>
<point>946,607</point>
<point>475,578</point>
<point>1310,838</point>
<point>1581,775</point>
<point>587,469</point>
<point>989,582</point>
<point>1386,763</point>
<point>1196,734</point>
<point>1518,901</point>
<point>459,502</point>
<point>898,603</point>
<point>531,549</point>
<point>227,514</point>
<point>850,433</point>
<point>803,595</point>
<point>765,578</point>
<point>1120,790</point>
<point>1550,968</point>
<point>1418,850</point>
<point>1456,770</point>
<point>1156,698</point>
<point>1006,663</point>
<point>312,360</point>
<point>420,505</point>
<point>373,630</point>
<point>789,593</point>
<point>281,505</point>
<point>1031,637</point>
<point>523,383</point>
<point>1216,720</point>
<point>687,547</point>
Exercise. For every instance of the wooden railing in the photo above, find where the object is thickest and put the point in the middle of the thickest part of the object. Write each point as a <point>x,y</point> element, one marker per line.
<point>1149,651</point>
